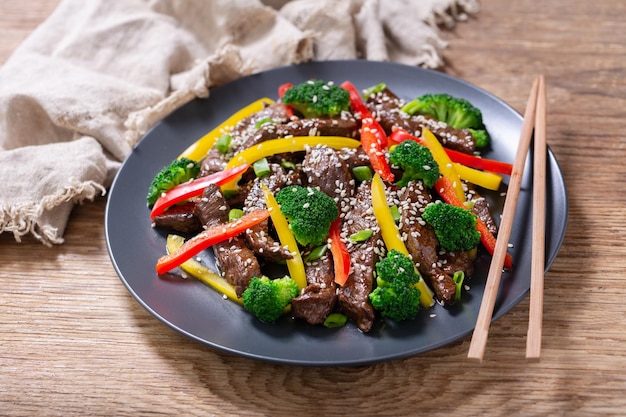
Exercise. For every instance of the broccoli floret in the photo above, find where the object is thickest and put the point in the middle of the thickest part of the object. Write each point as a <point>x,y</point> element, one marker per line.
<point>267,298</point>
<point>455,227</point>
<point>454,111</point>
<point>396,295</point>
<point>316,98</point>
<point>481,137</point>
<point>309,212</point>
<point>416,162</point>
<point>179,171</point>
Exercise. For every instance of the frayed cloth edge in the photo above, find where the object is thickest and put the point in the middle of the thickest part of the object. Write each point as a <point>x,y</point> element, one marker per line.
<point>23,219</point>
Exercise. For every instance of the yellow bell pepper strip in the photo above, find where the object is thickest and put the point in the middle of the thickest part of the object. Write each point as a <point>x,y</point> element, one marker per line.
<point>400,135</point>
<point>194,188</point>
<point>341,256</point>
<point>487,180</point>
<point>282,145</point>
<point>446,191</point>
<point>391,234</point>
<point>202,273</point>
<point>446,167</point>
<point>292,144</point>
<point>209,237</point>
<point>295,265</point>
<point>202,146</point>
<point>277,146</point>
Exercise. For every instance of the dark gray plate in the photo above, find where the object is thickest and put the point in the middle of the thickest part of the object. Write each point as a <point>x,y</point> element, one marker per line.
<point>200,313</point>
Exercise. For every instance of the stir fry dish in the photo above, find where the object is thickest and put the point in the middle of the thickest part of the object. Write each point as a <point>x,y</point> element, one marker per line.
<point>331,204</point>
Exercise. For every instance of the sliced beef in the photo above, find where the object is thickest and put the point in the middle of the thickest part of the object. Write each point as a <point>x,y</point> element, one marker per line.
<point>326,170</point>
<point>457,261</point>
<point>212,208</point>
<point>234,259</point>
<point>386,107</point>
<point>319,297</point>
<point>354,157</point>
<point>180,218</point>
<point>237,263</point>
<point>242,133</point>
<point>213,162</point>
<point>303,127</point>
<point>481,210</point>
<point>353,297</point>
<point>259,237</point>
<point>422,243</point>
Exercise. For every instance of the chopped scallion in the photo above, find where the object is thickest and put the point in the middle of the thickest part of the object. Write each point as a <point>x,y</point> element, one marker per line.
<point>234,214</point>
<point>361,235</point>
<point>261,167</point>
<point>458,278</point>
<point>362,173</point>
<point>223,143</point>
<point>395,213</point>
<point>264,121</point>
<point>288,165</point>
<point>316,253</point>
<point>374,90</point>
<point>335,320</point>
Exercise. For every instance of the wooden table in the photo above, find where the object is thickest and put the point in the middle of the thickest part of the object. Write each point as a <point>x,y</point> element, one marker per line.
<point>76,343</point>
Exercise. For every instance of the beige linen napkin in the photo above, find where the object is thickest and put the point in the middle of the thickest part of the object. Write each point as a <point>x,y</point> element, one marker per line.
<point>88,83</point>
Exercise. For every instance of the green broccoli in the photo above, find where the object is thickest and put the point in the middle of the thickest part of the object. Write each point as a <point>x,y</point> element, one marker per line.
<point>481,137</point>
<point>309,212</point>
<point>396,295</point>
<point>455,227</point>
<point>416,161</point>
<point>179,171</point>
<point>267,298</point>
<point>316,98</point>
<point>454,111</point>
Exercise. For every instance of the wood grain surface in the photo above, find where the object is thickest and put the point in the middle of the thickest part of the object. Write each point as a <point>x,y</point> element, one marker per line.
<point>74,341</point>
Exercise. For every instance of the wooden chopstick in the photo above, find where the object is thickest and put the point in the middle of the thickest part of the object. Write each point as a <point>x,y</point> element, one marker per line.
<point>481,331</point>
<point>535,314</point>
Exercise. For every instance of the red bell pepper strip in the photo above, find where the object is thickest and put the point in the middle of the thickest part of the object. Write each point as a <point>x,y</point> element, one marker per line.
<point>209,237</point>
<point>374,151</point>
<point>281,92</point>
<point>356,102</point>
<point>446,191</point>
<point>362,112</point>
<point>194,188</point>
<point>341,256</point>
<point>400,135</point>
<point>477,162</point>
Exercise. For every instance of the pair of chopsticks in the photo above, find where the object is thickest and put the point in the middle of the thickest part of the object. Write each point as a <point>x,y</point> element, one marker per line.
<point>534,119</point>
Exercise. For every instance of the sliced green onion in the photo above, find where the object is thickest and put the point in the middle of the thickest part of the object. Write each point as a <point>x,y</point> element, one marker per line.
<point>264,121</point>
<point>316,253</point>
<point>288,165</point>
<point>374,90</point>
<point>261,167</point>
<point>229,193</point>
<point>223,143</point>
<point>395,213</point>
<point>362,173</point>
<point>458,278</point>
<point>234,214</point>
<point>335,320</point>
<point>361,235</point>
